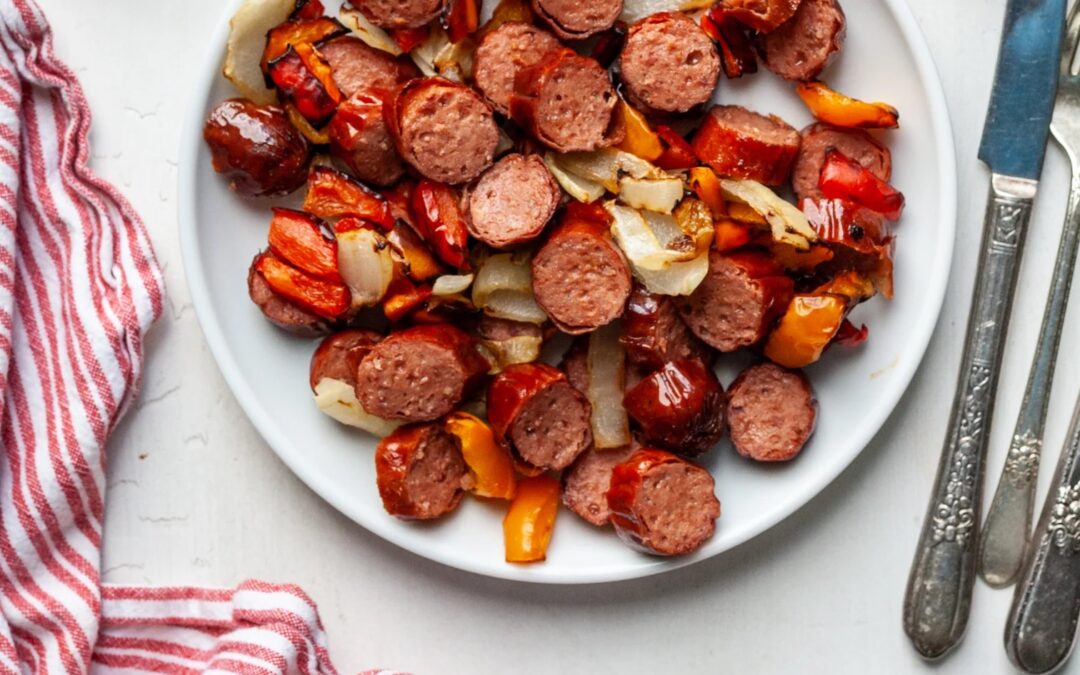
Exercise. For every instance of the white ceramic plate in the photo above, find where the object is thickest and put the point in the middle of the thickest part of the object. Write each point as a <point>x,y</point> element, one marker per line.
<point>885,58</point>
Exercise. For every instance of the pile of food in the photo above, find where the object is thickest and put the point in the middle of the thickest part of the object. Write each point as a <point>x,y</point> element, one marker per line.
<point>475,191</point>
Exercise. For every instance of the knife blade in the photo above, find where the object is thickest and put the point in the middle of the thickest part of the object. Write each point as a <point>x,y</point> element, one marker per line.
<point>938,597</point>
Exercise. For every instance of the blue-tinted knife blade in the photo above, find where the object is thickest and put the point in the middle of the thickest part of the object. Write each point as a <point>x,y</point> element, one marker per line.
<point>1018,121</point>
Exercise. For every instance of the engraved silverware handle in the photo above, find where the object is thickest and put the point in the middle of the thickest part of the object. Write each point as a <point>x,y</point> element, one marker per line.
<point>1042,621</point>
<point>1008,523</point>
<point>943,572</point>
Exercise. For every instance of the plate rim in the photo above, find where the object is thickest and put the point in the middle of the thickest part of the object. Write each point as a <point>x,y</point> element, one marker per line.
<point>190,142</point>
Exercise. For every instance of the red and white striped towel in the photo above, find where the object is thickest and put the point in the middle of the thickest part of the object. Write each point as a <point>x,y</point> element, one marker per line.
<point>79,286</point>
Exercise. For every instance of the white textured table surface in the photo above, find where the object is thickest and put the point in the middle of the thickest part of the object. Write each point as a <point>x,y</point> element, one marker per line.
<point>196,497</point>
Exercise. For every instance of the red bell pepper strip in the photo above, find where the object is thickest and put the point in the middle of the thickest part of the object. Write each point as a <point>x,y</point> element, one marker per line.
<point>436,209</point>
<point>677,154</point>
<point>300,30</point>
<point>844,178</point>
<point>304,79</point>
<point>850,336</point>
<point>408,39</point>
<point>297,238</point>
<point>332,194</point>
<point>404,297</point>
<point>308,9</point>
<point>736,49</point>
<point>462,19</point>
<point>325,298</point>
<point>609,45</point>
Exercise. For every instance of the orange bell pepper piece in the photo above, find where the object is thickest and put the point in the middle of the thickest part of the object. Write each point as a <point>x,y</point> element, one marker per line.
<point>730,234</point>
<point>792,258</point>
<point>404,297</point>
<point>332,194</point>
<point>298,32</point>
<point>530,520</point>
<point>806,329</point>
<point>298,239</point>
<point>325,298</point>
<point>640,139</point>
<point>854,286</point>
<point>490,465</point>
<point>678,154</point>
<point>843,111</point>
<point>706,186</point>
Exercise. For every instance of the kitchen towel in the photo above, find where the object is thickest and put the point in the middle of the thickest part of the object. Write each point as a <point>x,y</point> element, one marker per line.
<point>79,287</point>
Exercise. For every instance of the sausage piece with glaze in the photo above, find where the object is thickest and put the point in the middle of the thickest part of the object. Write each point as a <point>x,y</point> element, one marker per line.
<point>662,504</point>
<point>444,130</point>
<point>580,277</point>
<point>801,48</point>
<point>400,13</point>
<point>818,140</point>
<point>668,64</point>
<point>744,292</point>
<point>654,333</point>
<point>256,148</point>
<point>771,412</point>
<point>740,143</point>
<point>762,15</point>
<point>355,65</point>
<point>567,102</point>
<point>338,356</point>
<point>512,47</point>
<point>512,201</point>
<point>576,20</point>
<point>419,374</point>
<point>420,472</point>
<point>586,482</point>
<point>361,140</point>
<point>279,311</point>
<point>679,407</point>
<point>539,416</point>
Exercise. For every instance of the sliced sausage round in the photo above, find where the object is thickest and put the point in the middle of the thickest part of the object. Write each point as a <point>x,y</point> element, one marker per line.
<point>740,143</point>
<point>539,416</point>
<point>580,277</point>
<point>256,148</point>
<point>420,472</point>
<point>654,333</point>
<point>419,374</point>
<point>742,295</point>
<point>361,140</point>
<point>801,48</point>
<point>338,356</point>
<point>567,102</point>
<point>762,15</point>
<point>662,504</point>
<point>511,47</point>
<point>586,482</point>
<point>444,130</point>
<point>576,20</point>
<point>512,201</point>
<point>355,65</point>
<point>679,407</point>
<point>818,140</point>
<point>771,412</point>
<point>669,64</point>
<point>281,312</point>
<point>400,13</point>
<point>496,329</point>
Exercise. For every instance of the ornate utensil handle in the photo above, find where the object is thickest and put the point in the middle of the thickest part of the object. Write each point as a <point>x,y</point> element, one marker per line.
<point>943,572</point>
<point>1043,618</point>
<point>1008,523</point>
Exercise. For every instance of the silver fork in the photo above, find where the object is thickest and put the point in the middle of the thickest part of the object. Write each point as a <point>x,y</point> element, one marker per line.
<point>1008,523</point>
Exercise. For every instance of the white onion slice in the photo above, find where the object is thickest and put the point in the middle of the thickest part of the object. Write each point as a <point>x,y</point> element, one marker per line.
<point>512,350</point>
<point>607,383</point>
<point>581,189</point>
<point>368,32</point>
<point>338,400</point>
<point>247,42</point>
<point>503,289</point>
<point>366,264</point>
<point>789,224</point>
<point>635,10</point>
<point>678,279</point>
<point>451,284</point>
<point>607,166</point>
<point>645,242</point>
<point>659,195</point>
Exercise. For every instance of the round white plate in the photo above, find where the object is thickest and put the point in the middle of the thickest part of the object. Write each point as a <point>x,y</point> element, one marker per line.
<point>885,58</point>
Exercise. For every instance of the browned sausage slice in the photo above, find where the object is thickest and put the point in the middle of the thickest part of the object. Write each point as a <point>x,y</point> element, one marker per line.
<point>400,13</point>
<point>419,374</point>
<point>256,148</point>
<point>654,333</point>
<point>742,295</point>
<point>819,139</point>
<point>511,47</point>
<point>739,143</point>
<point>281,312</point>
<point>576,20</point>
<point>801,48</point>
<point>420,472</point>
<point>762,15</point>
<point>586,483</point>
<point>356,66</point>
<point>338,356</point>
<point>679,407</point>
<point>444,130</point>
<point>512,201</point>
<point>669,64</point>
<point>361,140</point>
<point>567,103</point>
<point>771,412</point>
<point>662,504</point>
<point>580,277</point>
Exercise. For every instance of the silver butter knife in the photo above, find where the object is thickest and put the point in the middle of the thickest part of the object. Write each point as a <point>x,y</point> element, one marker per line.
<point>1013,144</point>
<point>1008,522</point>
